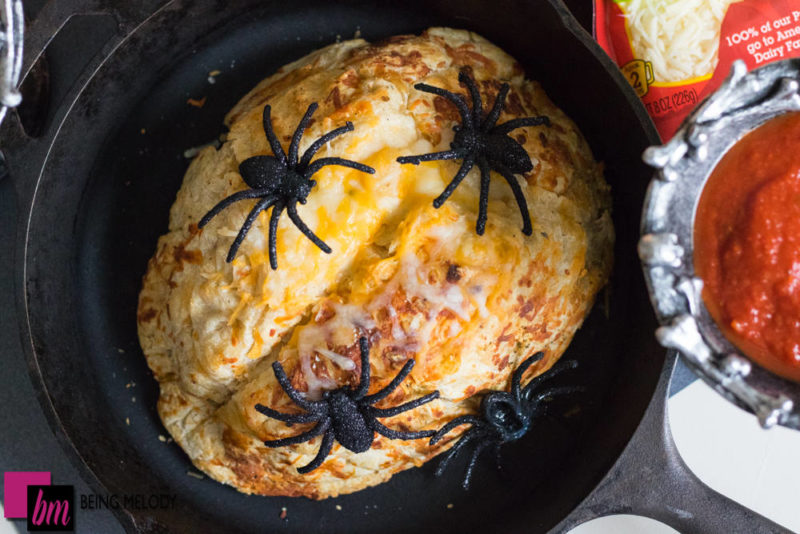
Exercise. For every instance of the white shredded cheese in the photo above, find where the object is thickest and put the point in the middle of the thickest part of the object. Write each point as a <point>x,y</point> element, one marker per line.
<point>342,361</point>
<point>680,38</point>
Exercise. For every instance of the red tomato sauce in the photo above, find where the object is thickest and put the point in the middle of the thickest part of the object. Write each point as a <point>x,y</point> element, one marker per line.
<point>747,245</point>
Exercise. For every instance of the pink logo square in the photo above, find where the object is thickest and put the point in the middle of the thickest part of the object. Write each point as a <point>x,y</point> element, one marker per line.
<point>15,486</point>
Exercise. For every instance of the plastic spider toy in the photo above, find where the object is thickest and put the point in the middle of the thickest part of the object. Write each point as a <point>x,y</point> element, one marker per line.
<point>281,181</point>
<point>505,416</point>
<point>346,415</point>
<point>479,141</point>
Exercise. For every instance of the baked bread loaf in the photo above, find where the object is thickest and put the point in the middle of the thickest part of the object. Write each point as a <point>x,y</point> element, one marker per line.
<point>416,281</point>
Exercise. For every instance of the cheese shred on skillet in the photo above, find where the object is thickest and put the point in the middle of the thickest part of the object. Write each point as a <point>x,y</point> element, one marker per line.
<point>417,281</point>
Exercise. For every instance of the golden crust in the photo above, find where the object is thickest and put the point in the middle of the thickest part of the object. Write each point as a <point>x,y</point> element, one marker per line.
<point>416,280</point>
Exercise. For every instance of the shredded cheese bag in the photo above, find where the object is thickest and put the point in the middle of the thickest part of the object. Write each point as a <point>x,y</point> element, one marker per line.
<point>676,52</point>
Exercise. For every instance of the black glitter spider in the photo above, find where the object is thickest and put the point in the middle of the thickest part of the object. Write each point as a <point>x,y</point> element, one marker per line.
<point>505,416</point>
<point>282,181</point>
<point>346,415</point>
<point>479,140</point>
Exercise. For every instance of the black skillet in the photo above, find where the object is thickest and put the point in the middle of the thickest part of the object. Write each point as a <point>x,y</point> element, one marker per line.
<point>94,190</point>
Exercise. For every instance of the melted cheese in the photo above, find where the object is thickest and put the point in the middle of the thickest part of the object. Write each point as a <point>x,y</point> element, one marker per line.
<point>313,340</point>
<point>316,385</point>
<point>421,279</point>
<point>342,361</point>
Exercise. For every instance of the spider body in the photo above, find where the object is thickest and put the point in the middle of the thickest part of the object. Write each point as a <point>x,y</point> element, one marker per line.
<point>504,416</point>
<point>478,140</point>
<point>499,149</point>
<point>349,424</point>
<point>346,415</point>
<point>281,181</point>
<point>261,172</point>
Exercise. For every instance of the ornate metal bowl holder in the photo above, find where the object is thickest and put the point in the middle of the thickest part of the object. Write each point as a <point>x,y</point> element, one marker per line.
<point>745,101</point>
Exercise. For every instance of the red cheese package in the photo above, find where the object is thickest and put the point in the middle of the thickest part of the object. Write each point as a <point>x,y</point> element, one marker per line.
<point>676,52</point>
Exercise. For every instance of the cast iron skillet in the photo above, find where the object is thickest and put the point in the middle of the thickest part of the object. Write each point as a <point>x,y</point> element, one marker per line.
<point>94,193</point>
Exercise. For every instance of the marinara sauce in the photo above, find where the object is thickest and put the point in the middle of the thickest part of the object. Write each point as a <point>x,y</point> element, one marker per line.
<point>747,245</point>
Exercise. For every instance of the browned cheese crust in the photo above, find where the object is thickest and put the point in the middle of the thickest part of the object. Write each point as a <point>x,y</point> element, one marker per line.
<point>417,281</point>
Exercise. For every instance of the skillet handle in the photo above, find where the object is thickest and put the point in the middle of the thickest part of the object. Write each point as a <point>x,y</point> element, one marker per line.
<point>55,13</point>
<point>21,147</point>
<point>651,479</point>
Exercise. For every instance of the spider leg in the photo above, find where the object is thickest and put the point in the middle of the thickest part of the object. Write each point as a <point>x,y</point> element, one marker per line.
<point>322,162</point>
<point>552,392</point>
<point>557,369</point>
<point>516,378</point>
<point>477,105</point>
<point>458,100</point>
<point>494,114</point>
<point>324,450</point>
<point>527,228</point>
<point>363,384</point>
<point>251,217</point>
<point>318,429</point>
<point>277,149</point>
<point>466,166</point>
<point>472,461</point>
<point>398,434</point>
<point>225,202</point>
<point>273,234</point>
<point>382,394</point>
<point>513,124</point>
<point>316,145</point>
<point>283,382</point>
<point>287,417</point>
<point>496,451</point>
<point>298,222</point>
<point>453,452</point>
<point>389,412</point>
<point>298,133</point>
<point>433,156</point>
<point>458,421</point>
<point>483,206</point>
